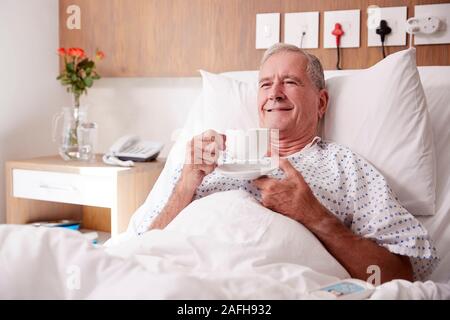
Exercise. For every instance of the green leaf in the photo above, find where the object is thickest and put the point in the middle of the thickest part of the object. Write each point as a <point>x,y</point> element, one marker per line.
<point>88,82</point>
<point>69,67</point>
<point>80,84</point>
<point>83,63</point>
<point>96,77</point>
<point>90,64</point>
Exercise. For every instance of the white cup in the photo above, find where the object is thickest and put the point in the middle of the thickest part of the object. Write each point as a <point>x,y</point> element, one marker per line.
<point>247,146</point>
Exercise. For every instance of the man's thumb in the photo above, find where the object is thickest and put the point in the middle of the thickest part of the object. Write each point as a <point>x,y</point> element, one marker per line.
<point>287,167</point>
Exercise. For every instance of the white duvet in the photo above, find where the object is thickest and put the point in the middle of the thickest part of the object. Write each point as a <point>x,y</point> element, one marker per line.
<point>224,246</point>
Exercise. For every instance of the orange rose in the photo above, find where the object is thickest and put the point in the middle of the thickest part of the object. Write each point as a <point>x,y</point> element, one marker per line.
<point>62,51</point>
<point>76,52</point>
<point>71,52</point>
<point>99,54</point>
<point>80,52</point>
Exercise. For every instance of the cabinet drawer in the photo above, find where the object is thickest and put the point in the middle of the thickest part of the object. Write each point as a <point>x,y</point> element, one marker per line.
<point>64,187</point>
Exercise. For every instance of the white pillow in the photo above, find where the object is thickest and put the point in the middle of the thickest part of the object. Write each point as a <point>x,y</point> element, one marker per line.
<point>227,103</point>
<point>223,104</point>
<point>381,114</point>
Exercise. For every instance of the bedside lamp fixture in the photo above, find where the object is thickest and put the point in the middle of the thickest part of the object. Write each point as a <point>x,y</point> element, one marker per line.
<point>423,25</point>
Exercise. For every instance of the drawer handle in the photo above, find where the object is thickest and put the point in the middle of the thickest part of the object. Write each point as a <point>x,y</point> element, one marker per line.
<point>63,188</point>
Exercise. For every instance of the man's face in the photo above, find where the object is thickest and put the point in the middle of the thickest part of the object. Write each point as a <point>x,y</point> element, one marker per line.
<point>287,98</point>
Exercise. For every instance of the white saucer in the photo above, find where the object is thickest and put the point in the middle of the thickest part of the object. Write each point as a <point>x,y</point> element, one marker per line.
<point>244,171</point>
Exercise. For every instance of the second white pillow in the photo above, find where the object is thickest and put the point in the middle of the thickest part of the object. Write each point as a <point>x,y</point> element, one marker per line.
<point>381,114</point>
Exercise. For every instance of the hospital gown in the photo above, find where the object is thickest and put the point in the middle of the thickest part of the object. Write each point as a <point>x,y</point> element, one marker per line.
<point>350,188</point>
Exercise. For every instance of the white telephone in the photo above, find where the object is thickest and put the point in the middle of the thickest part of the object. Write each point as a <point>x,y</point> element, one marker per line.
<point>130,148</point>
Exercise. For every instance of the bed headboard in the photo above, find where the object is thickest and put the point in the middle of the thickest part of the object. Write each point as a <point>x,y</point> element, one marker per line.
<point>154,38</point>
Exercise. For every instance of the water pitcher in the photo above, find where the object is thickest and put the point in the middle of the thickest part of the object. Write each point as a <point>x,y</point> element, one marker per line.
<point>72,119</point>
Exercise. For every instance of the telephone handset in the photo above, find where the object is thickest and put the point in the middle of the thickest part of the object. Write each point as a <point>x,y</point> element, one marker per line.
<point>123,143</point>
<point>130,148</point>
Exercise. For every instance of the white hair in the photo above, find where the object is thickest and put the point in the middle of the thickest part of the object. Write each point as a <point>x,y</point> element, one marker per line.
<point>313,69</point>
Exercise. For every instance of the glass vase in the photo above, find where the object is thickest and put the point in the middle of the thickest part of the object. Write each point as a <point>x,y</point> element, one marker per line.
<point>73,117</point>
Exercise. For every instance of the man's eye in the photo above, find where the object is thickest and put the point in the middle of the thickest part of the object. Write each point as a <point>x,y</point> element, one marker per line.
<point>290,82</point>
<point>265,85</point>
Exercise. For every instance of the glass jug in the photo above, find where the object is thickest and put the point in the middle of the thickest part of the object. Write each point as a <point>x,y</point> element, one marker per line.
<point>73,118</point>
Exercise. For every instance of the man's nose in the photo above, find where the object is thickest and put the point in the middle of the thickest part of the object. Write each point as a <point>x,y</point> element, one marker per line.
<point>276,93</point>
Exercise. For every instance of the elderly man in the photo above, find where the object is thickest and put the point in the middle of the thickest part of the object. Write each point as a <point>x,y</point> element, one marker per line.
<point>333,192</point>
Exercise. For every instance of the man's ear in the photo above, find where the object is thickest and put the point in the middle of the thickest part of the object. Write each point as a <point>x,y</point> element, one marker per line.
<point>323,103</point>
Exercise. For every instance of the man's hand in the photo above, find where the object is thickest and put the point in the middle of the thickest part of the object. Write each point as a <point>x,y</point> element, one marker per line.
<point>202,153</point>
<point>293,198</point>
<point>290,196</point>
<point>201,159</point>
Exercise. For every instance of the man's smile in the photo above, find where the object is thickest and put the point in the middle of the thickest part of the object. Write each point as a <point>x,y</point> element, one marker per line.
<point>277,108</point>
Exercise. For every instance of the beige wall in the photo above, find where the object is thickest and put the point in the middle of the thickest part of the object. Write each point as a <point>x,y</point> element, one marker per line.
<point>150,107</point>
<point>30,95</point>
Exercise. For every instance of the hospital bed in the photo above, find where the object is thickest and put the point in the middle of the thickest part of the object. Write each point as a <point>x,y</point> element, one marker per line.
<point>187,262</point>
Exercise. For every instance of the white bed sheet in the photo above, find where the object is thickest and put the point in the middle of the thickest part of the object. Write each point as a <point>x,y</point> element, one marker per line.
<point>267,257</point>
<point>436,83</point>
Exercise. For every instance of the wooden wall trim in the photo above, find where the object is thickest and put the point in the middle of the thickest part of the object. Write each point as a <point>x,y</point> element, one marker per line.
<point>159,38</point>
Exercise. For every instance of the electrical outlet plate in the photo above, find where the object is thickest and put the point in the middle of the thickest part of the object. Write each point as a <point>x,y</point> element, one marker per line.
<point>350,21</point>
<point>297,22</point>
<point>267,30</point>
<point>441,11</point>
<point>396,19</point>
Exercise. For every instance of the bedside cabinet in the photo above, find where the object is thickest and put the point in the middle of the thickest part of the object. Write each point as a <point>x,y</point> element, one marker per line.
<point>103,197</point>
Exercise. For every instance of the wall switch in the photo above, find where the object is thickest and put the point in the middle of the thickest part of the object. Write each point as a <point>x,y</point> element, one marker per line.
<point>396,19</point>
<point>297,23</point>
<point>440,11</point>
<point>350,22</point>
<point>267,30</point>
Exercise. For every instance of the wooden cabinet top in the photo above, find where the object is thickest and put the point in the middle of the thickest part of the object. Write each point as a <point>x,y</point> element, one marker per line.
<point>96,166</point>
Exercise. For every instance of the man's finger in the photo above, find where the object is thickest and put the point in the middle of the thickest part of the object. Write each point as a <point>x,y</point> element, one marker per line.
<point>267,202</point>
<point>263,182</point>
<point>221,141</point>
<point>287,168</point>
<point>206,168</point>
<point>210,148</point>
<point>290,171</point>
<point>211,136</point>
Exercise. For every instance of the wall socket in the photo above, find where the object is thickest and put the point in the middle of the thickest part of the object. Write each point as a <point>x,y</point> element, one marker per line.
<point>396,19</point>
<point>350,22</point>
<point>440,11</point>
<point>297,22</point>
<point>267,30</point>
